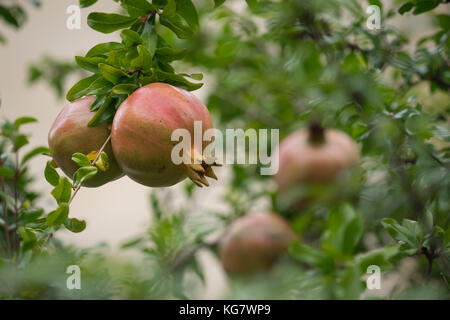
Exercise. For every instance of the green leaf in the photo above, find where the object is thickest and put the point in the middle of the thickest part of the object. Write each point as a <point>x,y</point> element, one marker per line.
<point>109,22</point>
<point>195,76</point>
<point>89,63</point>
<point>23,120</point>
<point>137,8</point>
<point>177,25</point>
<point>62,191</point>
<point>344,230</point>
<point>78,90</point>
<point>409,233</point>
<point>376,257</point>
<point>376,3</point>
<point>130,37</point>
<point>144,59</point>
<point>406,7</point>
<point>218,3</point>
<point>170,8</point>
<point>58,216</point>
<point>20,141</point>
<point>168,54</point>
<point>87,3</point>
<point>9,17</point>
<point>99,87</point>
<point>35,152</point>
<point>27,234</point>
<point>83,174</point>
<point>441,133</point>
<point>99,99</point>
<point>178,80</point>
<point>186,9</point>
<point>104,49</point>
<point>424,6</point>
<point>96,119</point>
<point>110,73</point>
<point>30,215</point>
<point>309,255</point>
<point>51,175</point>
<point>81,159</point>
<point>75,225</point>
<point>6,172</point>
<point>126,88</point>
<point>149,38</point>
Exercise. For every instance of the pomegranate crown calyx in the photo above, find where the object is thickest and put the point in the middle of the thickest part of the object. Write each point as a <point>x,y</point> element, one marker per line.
<point>199,168</point>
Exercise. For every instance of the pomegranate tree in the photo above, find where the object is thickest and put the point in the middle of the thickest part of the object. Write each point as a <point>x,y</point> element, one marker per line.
<point>71,134</point>
<point>254,242</point>
<point>142,130</point>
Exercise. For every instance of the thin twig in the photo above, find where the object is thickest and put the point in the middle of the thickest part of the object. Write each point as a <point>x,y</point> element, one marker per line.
<point>5,213</point>
<point>16,200</point>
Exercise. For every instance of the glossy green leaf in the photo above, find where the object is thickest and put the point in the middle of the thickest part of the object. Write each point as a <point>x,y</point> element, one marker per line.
<point>23,120</point>
<point>104,49</point>
<point>81,159</point>
<point>96,119</point>
<point>218,3</point>
<point>130,37</point>
<point>177,25</point>
<point>35,152</point>
<point>80,88</point>
<point>58,216</point>
<point>144,59</point>
<point>187,10</point>
<point>149,38</point>
<point>178,80</point>
<point>110,73</point>
<point>126,88</point>
<point>87,3</point>
<point>137,8</point>
<point>75,225</point>
<point>83,174</point>
<point>51,175</point>
<point>168,54</point>
<point>6,172</point>
<point>406,7</point>
<point>62,191</point>
<point>89,63</point>
<point>27,234</point>
<point>109,22</point>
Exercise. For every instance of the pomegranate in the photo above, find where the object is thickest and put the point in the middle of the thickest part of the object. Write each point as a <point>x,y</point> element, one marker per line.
<point>141,135</point>
<point>254,242</point>
<point>70,134</point>
<point>315,155</point>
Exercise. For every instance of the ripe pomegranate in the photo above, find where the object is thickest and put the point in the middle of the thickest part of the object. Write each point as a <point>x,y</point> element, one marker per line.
<point>315,155</point>
<point>141,135</point>
<point>254,242</point>
<point>70,134</point>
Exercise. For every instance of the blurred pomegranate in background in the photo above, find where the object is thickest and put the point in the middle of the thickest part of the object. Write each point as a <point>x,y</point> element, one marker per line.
<point>254,242</point>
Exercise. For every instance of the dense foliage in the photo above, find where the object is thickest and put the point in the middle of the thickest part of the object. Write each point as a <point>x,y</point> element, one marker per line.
<point>272,64</point>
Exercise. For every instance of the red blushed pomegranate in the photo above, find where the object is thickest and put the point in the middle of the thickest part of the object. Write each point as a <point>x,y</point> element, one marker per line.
<point>254,242</point>
<point>70,134</point>
<point>142,130</point>
<point>314,155</point>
